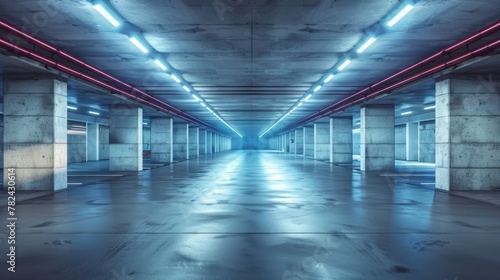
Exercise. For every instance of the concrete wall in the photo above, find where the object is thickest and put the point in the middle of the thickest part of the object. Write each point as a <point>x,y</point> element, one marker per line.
<point>356,144</point>
<point>427,138</point>
<point>77,148</point>
<point>181,141</point>
<point>194,140</point>
<point>299,141</point>
<point>146,138</point>
<point>322,141</point>
<point>308,141</point>
<point>400,142</point>
<point>103,142</point>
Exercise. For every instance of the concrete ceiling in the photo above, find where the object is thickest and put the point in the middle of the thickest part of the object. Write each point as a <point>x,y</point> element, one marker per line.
<point>255,59</point>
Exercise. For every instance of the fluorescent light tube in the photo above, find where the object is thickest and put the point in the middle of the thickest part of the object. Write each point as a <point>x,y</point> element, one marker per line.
<point>366,44</point>
<point>344,65</point>
<point>308,97</point>
<point>161,65</point>
<point>300,104</point>
<point>317,88</point>
<point>195,97</point>
<point>107,15</point>
<point>94,113</point>
<point>145,123</point>
<point>138,44</point>
<point>174,77</point>
<point>356,130</point>
<point>430,107</point>
<point>406,113</point>
<point>203,104</point>
<point>72,107</point>
<point>400,15</point>
<point>186,88</point>
<point>329,78</point>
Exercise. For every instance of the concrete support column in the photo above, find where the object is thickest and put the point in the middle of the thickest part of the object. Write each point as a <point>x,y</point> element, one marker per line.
<point>292,141</point>
<point>468,133</point>
<point>210,142</point>
<point>162,138</point>
<point>412,141</point>
<point>203,141</point>
<point>194,138</point>
<point>181,141</point>
<point>35,132</point>
<point>308,136</point>
<point>377,138</point>
<point>299,141</point>
<point>125,138</point>
<point>288,144</point>
<point>341,140</point>
<point>216,143</point>
<point>322,141</point>
<point>92,141</point>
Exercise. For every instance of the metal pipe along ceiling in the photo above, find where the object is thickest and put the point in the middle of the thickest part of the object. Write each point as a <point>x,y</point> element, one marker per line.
<point>132,93</point>
<point>347,102</point>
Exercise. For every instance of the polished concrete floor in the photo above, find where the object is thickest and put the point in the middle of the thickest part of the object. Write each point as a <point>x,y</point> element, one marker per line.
<point>253,215</point>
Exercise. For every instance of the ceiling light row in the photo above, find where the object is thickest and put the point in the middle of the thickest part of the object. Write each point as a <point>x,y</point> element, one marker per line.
<point>107,11</point>
<point>390,21</point>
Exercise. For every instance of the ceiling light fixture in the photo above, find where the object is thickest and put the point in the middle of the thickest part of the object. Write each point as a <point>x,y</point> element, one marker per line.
<point>430,107</point>
<point>174,77</point>
<point>203,104</point>
<point>406,113</point>
<point>329,78</point>
<point>366,44</point>
<point>94,113</point>
<point>195,97</point>
<point>300,104</point>
<point>344,64</point>
<point>72,107</point>
<point>161,65</point>
<point>107,14</point>
<point>400,15</point>
<point>308,97</point>
<point>317,88</point>
<point>138,44</point>
<point>186,88</point>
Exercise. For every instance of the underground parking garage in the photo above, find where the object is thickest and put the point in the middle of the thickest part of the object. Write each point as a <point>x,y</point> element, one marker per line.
<point>234,139</point>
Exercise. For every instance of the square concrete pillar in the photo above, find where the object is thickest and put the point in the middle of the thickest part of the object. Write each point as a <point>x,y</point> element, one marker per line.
<point>377,138</point>
<point>299,141</point>
<point>412,141</point>
<point>292,141</point>
<point>308,135</point>
<point>92,142</point>
<point>203,141</point>
<point>181,141</point>
<point>125,138</point>
<point>468,133</point>
<point>210,141</point>
<point>162,138</point>
<point>194,138</point>
<point>287,142</point>
<point>217,143</point>
<point>35,132</point>
<point>341,140</point>
<point>322,141</point>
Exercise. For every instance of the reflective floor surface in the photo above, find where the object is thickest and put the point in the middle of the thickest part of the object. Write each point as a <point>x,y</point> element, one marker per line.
<point>254,215</point>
